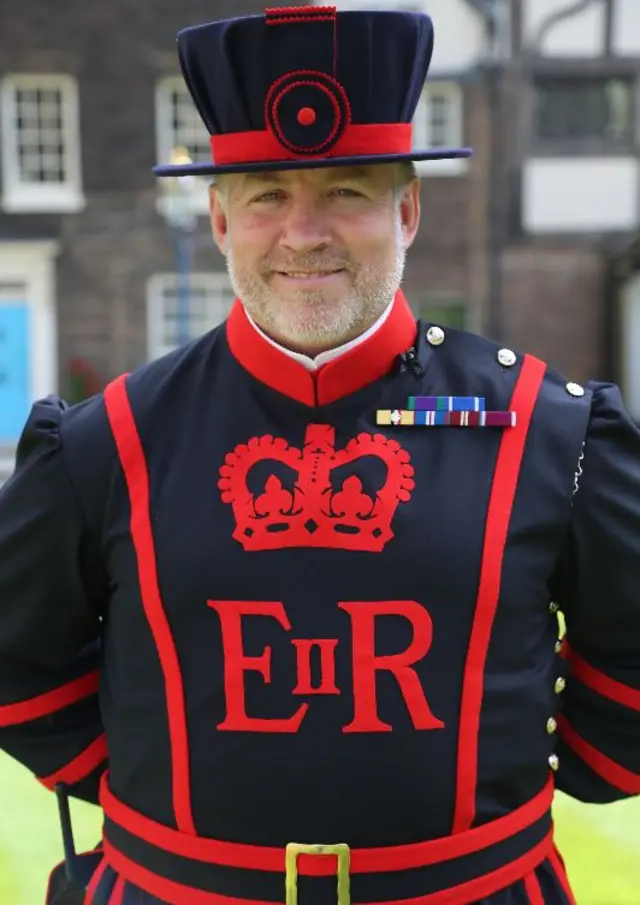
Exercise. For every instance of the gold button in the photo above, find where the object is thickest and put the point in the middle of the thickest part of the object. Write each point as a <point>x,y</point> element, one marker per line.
<point>435,336</point>
<point>560,685</point>
<point>553,607</point>
<point>551,725</point>
<point>554,763</point>
<point>558,647</point>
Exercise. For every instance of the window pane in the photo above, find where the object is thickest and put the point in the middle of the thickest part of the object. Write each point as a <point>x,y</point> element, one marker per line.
<point>421,123</point>
<point>187,129</point>
<point>583,109</point>
<point>436,123</point>
<point>40,138</point>
<point>204,306</point>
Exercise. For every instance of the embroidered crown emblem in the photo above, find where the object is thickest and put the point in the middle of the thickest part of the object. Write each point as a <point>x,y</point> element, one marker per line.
<point>325,503</point>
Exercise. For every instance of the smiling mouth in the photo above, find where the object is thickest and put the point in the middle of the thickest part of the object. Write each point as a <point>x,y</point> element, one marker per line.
<point>308,275</point>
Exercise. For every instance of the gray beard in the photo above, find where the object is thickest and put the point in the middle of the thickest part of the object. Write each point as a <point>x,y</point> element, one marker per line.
<point>312,319</point>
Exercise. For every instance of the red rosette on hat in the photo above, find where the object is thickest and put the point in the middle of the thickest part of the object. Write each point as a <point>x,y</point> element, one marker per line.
<point>307,111</point>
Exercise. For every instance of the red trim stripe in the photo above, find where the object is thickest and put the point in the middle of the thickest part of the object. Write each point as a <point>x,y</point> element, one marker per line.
<point>618,777</point>
<point>370,860</point>
<point>50,702</point>
<point>499,510</point>
<point>117,894</point>
<point>136,475</point>
<point>94,882</point>
<point>471,891</point>
<point>557,865</point>
<point>601,683</point>
<point>81,766</point>
<point>264,147</point>
<point>533,890</point>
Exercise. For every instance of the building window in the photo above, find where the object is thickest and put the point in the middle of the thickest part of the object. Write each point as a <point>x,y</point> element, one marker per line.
<point>438,123</point>
<point>208,302</point>
<point>583,109</point>
<point>444,310</point>
<point>40,144</point>
<point>179,125</point>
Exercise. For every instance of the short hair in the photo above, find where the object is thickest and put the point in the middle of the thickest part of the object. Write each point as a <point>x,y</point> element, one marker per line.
<point>406,172</point>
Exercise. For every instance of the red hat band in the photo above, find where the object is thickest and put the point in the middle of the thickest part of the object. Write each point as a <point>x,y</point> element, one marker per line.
<point>308,115</point>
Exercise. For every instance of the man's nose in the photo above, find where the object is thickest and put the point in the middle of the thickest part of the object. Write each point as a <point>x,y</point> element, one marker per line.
<point>305,227</point>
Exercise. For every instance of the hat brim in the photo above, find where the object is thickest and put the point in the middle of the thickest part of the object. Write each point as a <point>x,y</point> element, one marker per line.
<point>210,169</point>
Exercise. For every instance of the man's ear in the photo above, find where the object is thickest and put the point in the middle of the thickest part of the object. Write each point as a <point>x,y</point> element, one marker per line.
<point>409,211</point>
<point>219,218</point>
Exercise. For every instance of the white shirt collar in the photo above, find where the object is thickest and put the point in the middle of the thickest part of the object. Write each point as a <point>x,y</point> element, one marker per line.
<point>312,364</point>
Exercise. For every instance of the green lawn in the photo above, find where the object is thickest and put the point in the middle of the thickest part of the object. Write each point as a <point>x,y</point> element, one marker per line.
<point>29,837</point>
<point>601,845</point>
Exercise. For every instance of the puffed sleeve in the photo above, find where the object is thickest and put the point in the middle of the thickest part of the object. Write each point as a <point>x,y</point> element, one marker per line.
<point>51,600</point>
<point>597,587</point>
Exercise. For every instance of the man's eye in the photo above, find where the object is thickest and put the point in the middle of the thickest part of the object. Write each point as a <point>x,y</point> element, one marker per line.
<point>268,196</point>
<point>346,193</point>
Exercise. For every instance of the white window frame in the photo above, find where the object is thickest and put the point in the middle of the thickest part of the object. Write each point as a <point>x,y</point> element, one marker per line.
<point>216,282</point>
<point>165,139</point>
<point>454,95</point>
<point>36,197</point>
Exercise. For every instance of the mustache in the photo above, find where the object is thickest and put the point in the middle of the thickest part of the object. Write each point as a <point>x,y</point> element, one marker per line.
<point>306,262</point>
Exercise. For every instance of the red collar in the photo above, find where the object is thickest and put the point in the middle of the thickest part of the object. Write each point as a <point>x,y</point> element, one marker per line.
<point>340,377</point>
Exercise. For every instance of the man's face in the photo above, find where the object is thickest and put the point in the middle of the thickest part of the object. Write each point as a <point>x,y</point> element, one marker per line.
<point>315,255</point>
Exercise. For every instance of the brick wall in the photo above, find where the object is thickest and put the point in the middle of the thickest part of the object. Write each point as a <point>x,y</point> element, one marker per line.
<point>553,306</point>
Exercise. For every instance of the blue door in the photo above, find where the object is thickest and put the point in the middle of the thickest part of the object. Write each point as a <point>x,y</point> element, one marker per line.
<point>14,369</point>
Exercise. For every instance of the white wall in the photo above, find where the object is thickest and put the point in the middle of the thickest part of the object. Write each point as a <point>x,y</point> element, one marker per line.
<point>581,35</point>
<point>626,27</point>
<point>580,194</point>
<point>460,41</point>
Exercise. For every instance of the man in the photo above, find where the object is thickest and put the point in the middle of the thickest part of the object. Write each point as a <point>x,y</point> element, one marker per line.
<point>289,595</point>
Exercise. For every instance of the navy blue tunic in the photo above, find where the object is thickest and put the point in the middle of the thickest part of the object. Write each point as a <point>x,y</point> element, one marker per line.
<point>242,607</point>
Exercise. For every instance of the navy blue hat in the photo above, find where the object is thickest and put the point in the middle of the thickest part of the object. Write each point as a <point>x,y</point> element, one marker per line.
<point>307,87</point>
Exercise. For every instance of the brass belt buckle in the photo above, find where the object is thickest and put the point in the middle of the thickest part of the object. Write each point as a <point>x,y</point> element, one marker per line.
<point>340,849</point>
